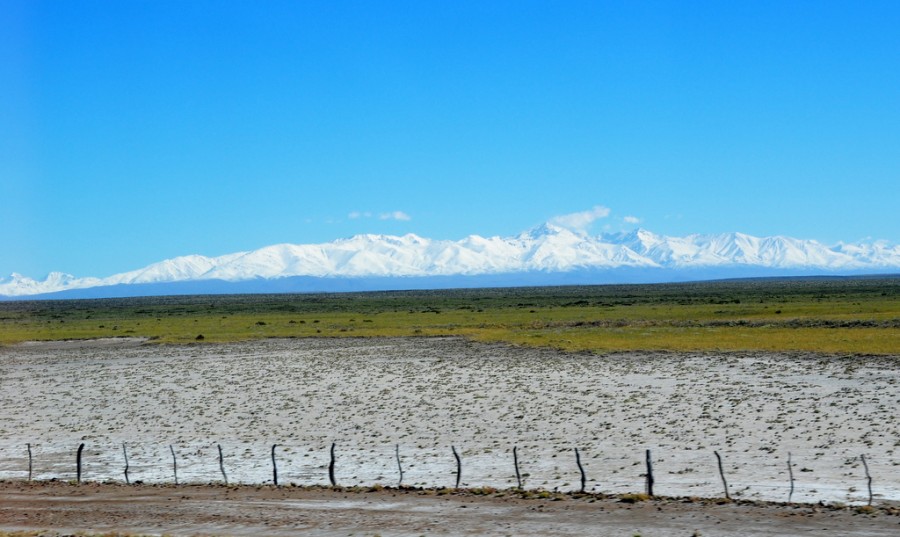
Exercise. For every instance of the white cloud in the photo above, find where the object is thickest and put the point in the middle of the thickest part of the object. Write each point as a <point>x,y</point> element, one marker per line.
<point>632,220</point>
<point>581,220</point>
<point>393,215</point>
<point>396,215</point>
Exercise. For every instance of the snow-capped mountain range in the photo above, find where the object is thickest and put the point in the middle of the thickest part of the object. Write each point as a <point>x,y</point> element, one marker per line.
<point>547,249</point>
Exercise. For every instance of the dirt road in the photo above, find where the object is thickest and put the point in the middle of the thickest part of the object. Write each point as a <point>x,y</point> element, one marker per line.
<point>63,508</point>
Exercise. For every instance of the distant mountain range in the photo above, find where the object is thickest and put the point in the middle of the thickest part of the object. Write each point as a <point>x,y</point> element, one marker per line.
<point>546,255</point>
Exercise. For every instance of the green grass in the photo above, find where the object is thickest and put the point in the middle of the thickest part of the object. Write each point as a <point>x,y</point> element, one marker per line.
<point>858,316</point>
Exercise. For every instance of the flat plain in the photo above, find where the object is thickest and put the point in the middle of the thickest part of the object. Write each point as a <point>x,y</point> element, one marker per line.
<point>823,315</point>
<point>613,372</point>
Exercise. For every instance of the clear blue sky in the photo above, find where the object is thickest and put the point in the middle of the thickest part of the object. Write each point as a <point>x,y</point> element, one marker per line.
<point>134,131</point>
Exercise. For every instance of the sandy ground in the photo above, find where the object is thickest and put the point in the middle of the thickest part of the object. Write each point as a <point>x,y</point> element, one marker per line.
<point>248,510</point>
<point>425,395</point>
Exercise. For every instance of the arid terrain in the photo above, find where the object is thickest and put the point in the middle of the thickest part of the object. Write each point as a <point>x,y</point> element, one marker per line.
<point>285,511</point>
<point>417,397</point>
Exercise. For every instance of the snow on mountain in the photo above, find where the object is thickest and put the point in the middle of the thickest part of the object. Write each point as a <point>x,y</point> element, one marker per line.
<point>876,254</point>
<point>19,285</point>
<point>552,248</point>
<point>547,248</point>
<point>739,249</point>
<point>181,268</point>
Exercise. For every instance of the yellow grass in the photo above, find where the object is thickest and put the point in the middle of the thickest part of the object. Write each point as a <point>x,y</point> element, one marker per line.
<point>855,317</point>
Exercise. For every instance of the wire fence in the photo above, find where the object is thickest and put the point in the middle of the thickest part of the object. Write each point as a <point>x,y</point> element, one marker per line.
<point>805,477</point>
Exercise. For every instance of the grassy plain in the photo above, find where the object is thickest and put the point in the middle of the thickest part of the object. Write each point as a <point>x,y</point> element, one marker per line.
<point>832,315</point>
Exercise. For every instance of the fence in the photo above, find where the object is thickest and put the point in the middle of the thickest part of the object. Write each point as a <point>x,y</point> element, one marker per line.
<point>803,477</point>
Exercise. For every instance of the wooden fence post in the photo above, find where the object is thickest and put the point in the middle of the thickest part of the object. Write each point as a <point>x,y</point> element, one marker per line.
<point>458,466</point>
<point>331,467</point>
<point>791,475</point>
<point>274,466</point>
<point>29,462</point>
<point>868,477</point>
<point>580,469</point>
<point>516,462</point>
<point>125,453</point>
<point>399,466</point>
<point>650,479</point>
<point>222,464</point>
<point>174,463</point>
<point>722,475</point>
<point>78,463</point>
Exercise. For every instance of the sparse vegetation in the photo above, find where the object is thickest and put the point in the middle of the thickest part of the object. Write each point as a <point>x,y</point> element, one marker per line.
<point>375,395</point>
<point>858,315</point>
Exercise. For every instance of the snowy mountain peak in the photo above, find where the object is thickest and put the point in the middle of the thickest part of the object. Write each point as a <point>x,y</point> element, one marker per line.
<point>547,248</point>
<point>548,229</point>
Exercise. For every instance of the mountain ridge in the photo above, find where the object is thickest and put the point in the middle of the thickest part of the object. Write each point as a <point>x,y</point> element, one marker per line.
<point>546,249</point>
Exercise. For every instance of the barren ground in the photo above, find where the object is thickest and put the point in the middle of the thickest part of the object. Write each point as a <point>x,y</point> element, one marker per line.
<point>219,510</point>
<point>420,396</point>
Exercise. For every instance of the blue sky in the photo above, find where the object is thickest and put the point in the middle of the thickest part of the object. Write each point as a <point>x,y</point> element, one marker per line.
<point>131,132</point>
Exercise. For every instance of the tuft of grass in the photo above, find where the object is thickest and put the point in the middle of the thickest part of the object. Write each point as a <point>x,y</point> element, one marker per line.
<point>634,498</point>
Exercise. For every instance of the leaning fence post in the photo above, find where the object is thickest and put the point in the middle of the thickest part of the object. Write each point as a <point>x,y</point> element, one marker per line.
<point>791,475</point>
<point>78,462</point>
<point>649,475</point>
<point>516,462</point>
<point>399,466</point>
<point>458,465</point>
<point>174,463</point>
<point>274,466</point>
<point>868,477</point>
<point>722,475</point>
<point>222,464</point>
<point>29,462</point>
<point>331,467</point>
<point>580,469</point>
<point>125,453</point>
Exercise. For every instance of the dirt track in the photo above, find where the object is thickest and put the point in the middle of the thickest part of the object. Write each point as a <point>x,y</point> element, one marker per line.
<point>247,510</point>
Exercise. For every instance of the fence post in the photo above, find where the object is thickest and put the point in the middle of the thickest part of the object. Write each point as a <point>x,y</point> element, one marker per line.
<point>331,467</point>
<point>174,463</point>
<point>274,466</point>
<point>722,475</point>
<point>458,466</point>
<point>580,469</point>
<point>791,475</point>
<point>78,463</point>
<point>516,462</point>
<point>29,462</point>
<point>125,453</point>
<point>650,479</point>
<point>222,464</point>
<point>868,477</point>
<point>399,466</point>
